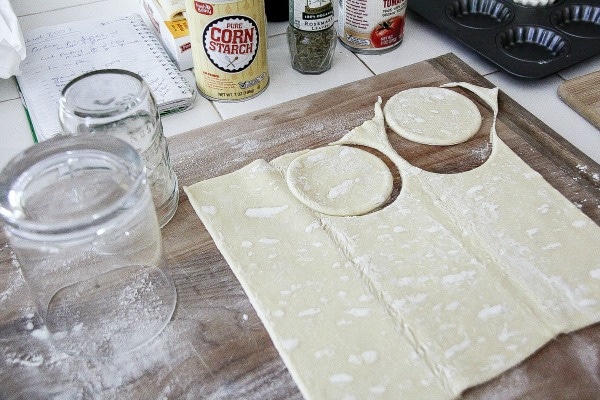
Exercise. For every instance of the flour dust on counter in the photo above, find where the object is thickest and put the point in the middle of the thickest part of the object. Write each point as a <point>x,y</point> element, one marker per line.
<point>444,288</point>
<point>36,369</point>
<point>32,367</point>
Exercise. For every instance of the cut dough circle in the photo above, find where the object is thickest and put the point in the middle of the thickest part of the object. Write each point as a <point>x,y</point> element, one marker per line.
<point>432,115</point>
<point>340,180</point>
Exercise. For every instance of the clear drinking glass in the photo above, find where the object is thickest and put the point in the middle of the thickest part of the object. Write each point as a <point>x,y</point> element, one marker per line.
<point>81,222</point>
<point>120,103</point>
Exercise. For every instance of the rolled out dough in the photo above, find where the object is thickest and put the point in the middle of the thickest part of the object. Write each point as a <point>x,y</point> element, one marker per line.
<point>340,180</point>
<point>432,115</point>
<point>460,278</point>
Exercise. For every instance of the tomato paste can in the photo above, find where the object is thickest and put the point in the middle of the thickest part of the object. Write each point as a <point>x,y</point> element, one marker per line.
<point>371,26</point>
<point>229,47</point>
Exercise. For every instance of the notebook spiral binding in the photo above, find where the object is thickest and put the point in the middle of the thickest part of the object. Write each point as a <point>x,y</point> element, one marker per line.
<point>154,44</point>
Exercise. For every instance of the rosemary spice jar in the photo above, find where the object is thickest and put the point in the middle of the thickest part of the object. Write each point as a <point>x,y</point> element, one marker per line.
<point>311,35</point>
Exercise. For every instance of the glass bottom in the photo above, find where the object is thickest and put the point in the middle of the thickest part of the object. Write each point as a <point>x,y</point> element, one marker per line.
<point>112,313</point>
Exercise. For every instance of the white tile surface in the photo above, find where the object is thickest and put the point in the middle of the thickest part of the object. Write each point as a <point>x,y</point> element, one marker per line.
<point>97,9</point>
<point>25,7</point>
<point>16,135</point>
<point>582,68</point>
<point>420,44</point>
<point>276,28</point>
<point>8,89</point>
<point>202,113</point>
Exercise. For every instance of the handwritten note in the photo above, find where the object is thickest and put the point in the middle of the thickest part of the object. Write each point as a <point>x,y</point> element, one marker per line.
<point>57,54</point>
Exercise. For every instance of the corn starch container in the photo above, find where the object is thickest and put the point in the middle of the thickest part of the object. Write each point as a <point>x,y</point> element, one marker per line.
<point>229,47</point>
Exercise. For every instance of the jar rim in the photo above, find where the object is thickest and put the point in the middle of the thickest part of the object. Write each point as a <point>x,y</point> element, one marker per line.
<point>124,91</point>
<point>34,169</point>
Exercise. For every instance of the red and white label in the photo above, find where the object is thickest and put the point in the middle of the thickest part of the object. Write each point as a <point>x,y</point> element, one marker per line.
<point>371,25</point>
<point>203,8</point>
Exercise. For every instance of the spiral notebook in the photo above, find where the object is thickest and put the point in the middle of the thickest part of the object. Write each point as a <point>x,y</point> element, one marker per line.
<point>56,54</point>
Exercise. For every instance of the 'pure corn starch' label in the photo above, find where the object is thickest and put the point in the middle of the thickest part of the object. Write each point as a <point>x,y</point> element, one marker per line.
<point>229,48</point>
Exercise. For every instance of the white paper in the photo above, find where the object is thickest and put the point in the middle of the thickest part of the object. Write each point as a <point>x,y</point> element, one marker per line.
<point>60,53</point>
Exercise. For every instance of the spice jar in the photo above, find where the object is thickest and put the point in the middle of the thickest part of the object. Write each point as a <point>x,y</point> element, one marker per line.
<point>311,35</point>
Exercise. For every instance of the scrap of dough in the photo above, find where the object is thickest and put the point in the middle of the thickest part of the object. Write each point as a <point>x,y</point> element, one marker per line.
<point>340,180</point>
<point>443,289</point>
<point>432,115</point>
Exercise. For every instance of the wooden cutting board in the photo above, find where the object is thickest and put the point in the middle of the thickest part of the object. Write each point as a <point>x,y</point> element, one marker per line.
<point>216,347</point>
<point>583,95</point>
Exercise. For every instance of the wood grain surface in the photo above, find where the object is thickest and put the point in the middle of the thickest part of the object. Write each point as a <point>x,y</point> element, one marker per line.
<point>215,346</point>
<point>583,95</point>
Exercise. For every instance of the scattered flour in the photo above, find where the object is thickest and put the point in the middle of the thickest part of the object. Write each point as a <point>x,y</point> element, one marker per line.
<point>265,212</point>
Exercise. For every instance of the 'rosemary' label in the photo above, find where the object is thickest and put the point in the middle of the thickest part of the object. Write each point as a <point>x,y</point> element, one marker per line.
<point>311,15</point>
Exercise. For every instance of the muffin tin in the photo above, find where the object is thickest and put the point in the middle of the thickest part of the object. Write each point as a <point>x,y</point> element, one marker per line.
<point>527,41</point>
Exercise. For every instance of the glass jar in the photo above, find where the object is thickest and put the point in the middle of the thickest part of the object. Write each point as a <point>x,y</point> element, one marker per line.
<point>311,35</point>
<point>119,103</point>
<point>81,222</point>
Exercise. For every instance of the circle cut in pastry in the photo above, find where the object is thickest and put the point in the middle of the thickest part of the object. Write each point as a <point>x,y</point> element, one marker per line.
<point>432,115</point>
<point>340,180</point>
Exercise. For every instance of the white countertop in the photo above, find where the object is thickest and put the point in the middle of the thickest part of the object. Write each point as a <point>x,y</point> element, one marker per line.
<point>422,41</point>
